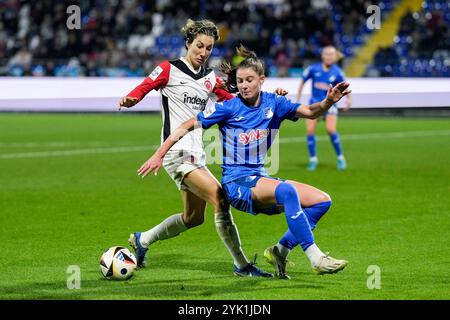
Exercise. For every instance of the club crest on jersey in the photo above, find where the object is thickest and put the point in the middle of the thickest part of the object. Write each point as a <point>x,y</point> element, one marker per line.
<point>268,113</point>
<point>253,135</point>
<point>208,85</point>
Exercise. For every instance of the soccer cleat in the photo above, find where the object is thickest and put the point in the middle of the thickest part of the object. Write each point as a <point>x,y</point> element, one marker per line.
<point>328,264</point>
<point>135,242</point>
<point>273,256</point>
<point>341,164</point>
<point>312,164</point>
<point>251,271</point>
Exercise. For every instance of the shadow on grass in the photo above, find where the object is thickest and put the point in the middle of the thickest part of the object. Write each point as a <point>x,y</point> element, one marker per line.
<point>199,278</point>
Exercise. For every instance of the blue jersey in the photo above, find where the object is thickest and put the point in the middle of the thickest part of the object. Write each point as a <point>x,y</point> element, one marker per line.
<point>247,131</point>
<point>321,79</point>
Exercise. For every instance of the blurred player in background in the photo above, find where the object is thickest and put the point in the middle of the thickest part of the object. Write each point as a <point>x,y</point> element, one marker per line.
<point>186,85</point>
<point>322,74</point>
<point>248,124</point>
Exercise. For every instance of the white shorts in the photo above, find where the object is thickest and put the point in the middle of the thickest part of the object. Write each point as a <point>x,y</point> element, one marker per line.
<point>332,111</point>
<point>178,163</point>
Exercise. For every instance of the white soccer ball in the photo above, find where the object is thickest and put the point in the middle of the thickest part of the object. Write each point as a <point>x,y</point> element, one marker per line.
<point>118,263</point>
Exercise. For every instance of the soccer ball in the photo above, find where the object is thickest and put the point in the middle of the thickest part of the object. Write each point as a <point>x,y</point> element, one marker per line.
<point>117,263</point>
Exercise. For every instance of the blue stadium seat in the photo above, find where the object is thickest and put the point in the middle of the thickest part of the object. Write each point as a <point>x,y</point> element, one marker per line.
<point>162,41</point>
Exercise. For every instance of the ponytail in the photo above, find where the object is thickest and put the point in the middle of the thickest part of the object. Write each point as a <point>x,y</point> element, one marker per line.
<point>251,60</point>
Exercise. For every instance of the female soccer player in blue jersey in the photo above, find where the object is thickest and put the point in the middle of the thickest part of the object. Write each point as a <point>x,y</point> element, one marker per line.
<point>186,85</point>
<point>248,124</point>
<point>323,74</point>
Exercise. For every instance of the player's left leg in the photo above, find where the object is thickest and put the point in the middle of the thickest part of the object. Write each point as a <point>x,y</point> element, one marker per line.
<point>331,124</point>
<point>269,192</point>
<point>314,202</point>
<point>314,205</point>
<point>192,216</point>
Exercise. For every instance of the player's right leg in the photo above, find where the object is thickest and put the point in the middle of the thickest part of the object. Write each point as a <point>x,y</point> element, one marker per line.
<point>311,142</point>
<point>203,183</point>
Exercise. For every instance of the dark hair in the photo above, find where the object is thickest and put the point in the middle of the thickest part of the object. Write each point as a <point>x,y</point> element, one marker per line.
<point>251,60</point>
<point>194,28</point>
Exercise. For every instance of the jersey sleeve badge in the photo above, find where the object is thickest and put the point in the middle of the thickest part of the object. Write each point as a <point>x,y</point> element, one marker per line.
<point>155,73</point>
<point>210,109</point>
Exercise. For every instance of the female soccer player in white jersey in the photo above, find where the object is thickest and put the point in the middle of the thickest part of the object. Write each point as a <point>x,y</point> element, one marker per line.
<point>185,86</point>
<point>249,123</point>
<point>322,74</point>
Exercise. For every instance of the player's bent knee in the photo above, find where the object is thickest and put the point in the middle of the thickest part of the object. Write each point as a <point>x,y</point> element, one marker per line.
<point>325,197</point>
<point>287,190</point>
<point>192,223</point>
<point>219,201</point>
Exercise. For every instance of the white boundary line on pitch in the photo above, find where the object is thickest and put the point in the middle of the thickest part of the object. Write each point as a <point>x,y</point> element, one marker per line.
<point>369,136</point>
<point>150,148</point>
<point>56,144</point>
<point>61,153</point>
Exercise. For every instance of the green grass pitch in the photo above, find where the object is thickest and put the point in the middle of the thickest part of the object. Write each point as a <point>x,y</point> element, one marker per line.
<point>69,190</point>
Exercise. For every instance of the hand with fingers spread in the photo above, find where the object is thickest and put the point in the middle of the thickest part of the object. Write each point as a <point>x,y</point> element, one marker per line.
<point>127,102</point>
<point>334,94</point>
<point>315,110</point>
<point>152,164</point>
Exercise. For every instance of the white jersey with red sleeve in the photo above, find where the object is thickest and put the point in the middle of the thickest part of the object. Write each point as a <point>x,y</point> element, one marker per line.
<point>184,93</point>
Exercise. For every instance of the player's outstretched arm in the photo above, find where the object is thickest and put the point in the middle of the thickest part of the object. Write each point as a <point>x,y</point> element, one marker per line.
<point>156,80</point>
<point>154,163</point>
<point>315,110</point>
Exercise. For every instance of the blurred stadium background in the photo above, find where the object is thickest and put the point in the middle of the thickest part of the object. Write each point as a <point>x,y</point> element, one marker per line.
<point>68,188</point>
<point>128,38</point>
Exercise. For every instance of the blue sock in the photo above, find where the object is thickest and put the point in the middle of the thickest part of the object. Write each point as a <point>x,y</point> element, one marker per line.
<point>298,224</point>
<point>311,140</point>
<point>336,141</point>
<point>313,213</point>
<point>288,240</point>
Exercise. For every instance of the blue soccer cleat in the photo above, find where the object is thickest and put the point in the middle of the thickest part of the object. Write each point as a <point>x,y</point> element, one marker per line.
<point>312,164</point>
<point>251,271</point>
<point>341,164</point>
<point>135,242</point>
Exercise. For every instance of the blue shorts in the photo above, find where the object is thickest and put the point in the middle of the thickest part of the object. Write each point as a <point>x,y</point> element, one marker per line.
<point>239,195</point>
